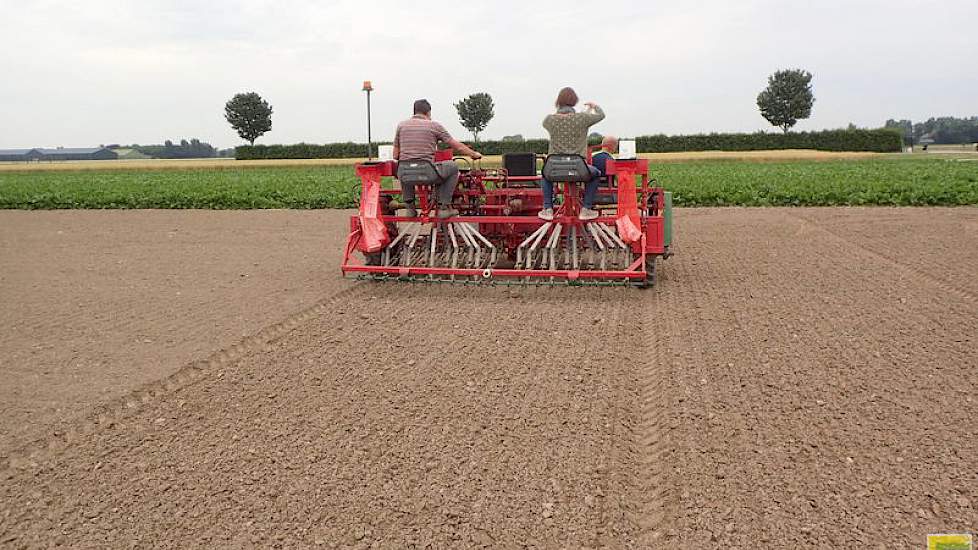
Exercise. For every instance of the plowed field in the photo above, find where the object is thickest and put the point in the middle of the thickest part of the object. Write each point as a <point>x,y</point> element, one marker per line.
<point>799,378</point>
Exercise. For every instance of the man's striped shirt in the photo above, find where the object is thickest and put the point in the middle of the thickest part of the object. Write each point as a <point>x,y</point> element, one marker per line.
<point>417,138</point>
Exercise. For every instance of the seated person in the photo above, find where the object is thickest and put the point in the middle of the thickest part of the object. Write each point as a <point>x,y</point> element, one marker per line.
<point>599,158</point>
<point>417,139</point>
<point>568,135</point>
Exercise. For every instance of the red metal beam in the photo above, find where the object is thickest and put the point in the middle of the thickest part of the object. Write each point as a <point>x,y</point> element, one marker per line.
<point>561,273</point>
<point>566,220</point>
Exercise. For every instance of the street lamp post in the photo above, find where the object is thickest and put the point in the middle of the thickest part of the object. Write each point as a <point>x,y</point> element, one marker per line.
<point>367,87</point>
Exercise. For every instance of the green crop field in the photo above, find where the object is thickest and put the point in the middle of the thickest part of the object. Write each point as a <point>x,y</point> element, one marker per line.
<point>286,187</point>
<point>876,181</point>
<point>897,182</point>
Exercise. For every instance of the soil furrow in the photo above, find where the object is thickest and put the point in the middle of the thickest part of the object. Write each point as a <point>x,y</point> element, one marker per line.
<point>115,411</point>
<point>512,437</point>
<point>96,304</point>
<point>937,243</point>
<point>790,382</point>
<point>815,388</point>
<point>653,491</point>
<point>902,261</point>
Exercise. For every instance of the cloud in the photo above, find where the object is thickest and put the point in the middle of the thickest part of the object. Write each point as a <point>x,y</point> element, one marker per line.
<point>99,72</point>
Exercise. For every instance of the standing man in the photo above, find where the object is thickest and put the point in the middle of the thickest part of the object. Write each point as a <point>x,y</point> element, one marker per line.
<point>417,139</point>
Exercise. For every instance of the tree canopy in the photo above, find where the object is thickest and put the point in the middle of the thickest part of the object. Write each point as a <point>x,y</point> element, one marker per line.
<point>249,115</point>
<point>475,112</point>
<point>185,150</point>
<point>787,99</point>
<point>942,130</point>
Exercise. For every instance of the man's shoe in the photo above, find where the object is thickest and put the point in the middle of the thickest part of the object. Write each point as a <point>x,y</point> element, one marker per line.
<point>547,214</point>
<point>410,212</point>
<point>447,213</point>
<point>587,214</point>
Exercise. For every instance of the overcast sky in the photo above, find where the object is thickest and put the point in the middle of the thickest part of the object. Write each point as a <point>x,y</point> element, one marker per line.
<point>88,73</point>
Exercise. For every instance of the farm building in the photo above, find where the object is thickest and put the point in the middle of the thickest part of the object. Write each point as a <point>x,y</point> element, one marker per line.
<point>78,153</point>
<point>13,155</point>
<point>61,153</point>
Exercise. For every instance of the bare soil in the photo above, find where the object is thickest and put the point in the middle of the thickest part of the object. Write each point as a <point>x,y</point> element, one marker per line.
<point>798,378</point>
<point>97,303</point>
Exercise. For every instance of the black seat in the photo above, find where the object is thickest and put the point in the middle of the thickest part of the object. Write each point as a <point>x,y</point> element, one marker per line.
<point>520,164</point>
<point>566,168</point>
<point>418,172</point>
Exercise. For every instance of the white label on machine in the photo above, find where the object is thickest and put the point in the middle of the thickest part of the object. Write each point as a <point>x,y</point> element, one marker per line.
<point>385,152</point>
<point>626,149</point>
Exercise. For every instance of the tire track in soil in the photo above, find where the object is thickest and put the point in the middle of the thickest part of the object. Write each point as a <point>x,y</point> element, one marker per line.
<point>117,409</point>
<point>414,416</point>
<point>652,487</point>
<point>627,321</point>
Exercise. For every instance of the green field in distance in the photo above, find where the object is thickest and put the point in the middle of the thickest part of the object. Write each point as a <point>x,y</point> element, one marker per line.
<point>898,180</point>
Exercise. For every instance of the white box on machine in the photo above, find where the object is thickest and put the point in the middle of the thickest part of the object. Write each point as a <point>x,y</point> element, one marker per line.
<point>626,149</point>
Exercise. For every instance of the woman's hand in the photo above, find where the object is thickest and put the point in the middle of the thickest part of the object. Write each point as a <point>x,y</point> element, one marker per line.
<point>590,105</point>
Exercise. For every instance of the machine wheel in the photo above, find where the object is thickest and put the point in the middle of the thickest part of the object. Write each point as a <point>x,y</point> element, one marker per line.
<point>649,281</point>
<point>372,258</point>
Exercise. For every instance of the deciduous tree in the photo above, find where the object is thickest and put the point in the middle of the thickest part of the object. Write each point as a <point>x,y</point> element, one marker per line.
<point>475,112</point>
<point>787,99</point>
<point>249,115</point>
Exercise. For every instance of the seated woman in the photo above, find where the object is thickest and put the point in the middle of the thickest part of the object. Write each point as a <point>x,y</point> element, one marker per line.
<point>568,135</point>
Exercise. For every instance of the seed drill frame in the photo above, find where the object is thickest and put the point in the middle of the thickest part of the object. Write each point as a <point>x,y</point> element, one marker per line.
<point>497,236</point>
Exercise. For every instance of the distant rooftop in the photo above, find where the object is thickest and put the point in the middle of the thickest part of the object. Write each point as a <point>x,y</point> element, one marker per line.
<point>69,150</point>
<point>53,151</point>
